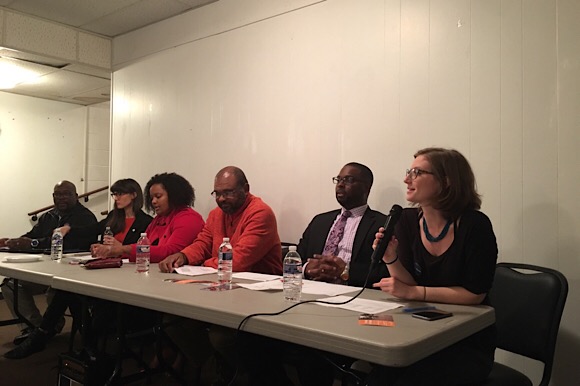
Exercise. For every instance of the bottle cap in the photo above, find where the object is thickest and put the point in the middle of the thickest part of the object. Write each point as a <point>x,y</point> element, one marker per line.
<point>143,234</point>
<point>292,248</point>
<point>226,239</point>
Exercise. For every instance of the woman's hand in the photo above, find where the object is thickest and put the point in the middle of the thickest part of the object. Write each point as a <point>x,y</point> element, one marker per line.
<point>391,251</point>
<point>100,250</point>
<point>399,289</point>
<point>110,240</point>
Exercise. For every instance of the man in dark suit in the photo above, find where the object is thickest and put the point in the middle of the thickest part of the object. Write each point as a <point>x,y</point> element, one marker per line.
<point>350,262</point>
<point>336,247</point>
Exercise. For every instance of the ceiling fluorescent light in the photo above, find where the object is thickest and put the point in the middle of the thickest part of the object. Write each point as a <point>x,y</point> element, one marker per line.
<point>12,73</point>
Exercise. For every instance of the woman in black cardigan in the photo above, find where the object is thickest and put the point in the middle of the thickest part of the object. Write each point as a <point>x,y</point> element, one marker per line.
<point>126,220</point>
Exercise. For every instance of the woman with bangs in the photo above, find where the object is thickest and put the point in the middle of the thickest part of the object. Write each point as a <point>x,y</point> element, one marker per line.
<point>126,220</point>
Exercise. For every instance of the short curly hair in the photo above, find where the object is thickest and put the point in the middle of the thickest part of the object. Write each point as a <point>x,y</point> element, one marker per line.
<point>179,190</point>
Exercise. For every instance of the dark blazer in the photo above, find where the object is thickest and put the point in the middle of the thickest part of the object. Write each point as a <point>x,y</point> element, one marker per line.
<point>314,238</point>
<point>140,224</point>
<point>77,216</point>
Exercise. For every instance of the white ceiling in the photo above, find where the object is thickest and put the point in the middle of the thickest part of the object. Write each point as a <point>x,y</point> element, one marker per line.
<point>75,83</point>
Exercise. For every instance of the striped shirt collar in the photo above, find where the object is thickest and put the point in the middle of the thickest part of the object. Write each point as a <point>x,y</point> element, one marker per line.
<point>359,211</point>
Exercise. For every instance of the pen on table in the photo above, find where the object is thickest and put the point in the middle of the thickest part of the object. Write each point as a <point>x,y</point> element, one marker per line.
<point>416,309</point>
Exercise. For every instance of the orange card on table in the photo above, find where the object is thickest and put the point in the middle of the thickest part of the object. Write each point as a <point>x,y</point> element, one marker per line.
<point>376,320</point>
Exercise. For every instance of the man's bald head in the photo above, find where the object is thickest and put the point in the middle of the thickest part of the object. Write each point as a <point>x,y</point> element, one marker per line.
<point>66,184</point>
<point>230,189</point>
<point>65,196</point>
<point>235,172</point>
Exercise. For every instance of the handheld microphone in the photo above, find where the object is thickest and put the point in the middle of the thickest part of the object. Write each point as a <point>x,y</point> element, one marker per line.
<point>389,226</point>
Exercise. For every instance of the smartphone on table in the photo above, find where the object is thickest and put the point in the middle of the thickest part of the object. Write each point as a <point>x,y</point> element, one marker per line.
<point>431,314</point>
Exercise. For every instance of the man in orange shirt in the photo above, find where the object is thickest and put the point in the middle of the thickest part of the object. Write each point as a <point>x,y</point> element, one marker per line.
<point>245,219</point>
<point>251,226</point>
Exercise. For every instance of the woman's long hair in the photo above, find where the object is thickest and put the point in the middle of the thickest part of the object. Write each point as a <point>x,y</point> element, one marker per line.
<point>129,186</point>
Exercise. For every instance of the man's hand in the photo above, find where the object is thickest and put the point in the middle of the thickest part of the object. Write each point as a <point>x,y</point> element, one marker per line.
<point>171,262</point>
<point>325,268</point>
<point>3,242</point>
<point>64,229</point>
<point>19,244</point>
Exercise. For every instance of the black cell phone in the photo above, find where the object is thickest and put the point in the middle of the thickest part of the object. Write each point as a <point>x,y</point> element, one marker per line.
<point>431,315</point>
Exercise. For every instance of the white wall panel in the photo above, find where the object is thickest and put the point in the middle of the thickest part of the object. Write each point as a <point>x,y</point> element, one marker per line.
<point>291,96</point>
<point>414,78</point>
<point>212,19</point>
<point>41,143</point>
<point>449,77</point>
<point>485,103</point>
<point>568,13</point>
<point>391,155</point>
<point>511,141</point>
<point>540,133</point>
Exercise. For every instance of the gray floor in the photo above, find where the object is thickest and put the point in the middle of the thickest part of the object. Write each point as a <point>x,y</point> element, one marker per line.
<point>41,368</point>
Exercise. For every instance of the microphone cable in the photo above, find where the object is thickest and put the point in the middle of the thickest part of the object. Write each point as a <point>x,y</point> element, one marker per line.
<point>372,268</point>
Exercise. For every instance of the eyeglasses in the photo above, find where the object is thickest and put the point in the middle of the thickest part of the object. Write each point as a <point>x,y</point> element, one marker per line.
<point>345,180</point>
<point>416,172</point>
<point>118,194</point>
<point>224,193</point>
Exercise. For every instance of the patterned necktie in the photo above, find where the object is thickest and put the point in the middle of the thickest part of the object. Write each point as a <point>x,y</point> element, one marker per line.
<point>336,234</point>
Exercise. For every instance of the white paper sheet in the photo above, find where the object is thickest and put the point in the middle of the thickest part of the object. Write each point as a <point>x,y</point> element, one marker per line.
<point>321,288</point>
<point>22,259</point>
<point>272,285</point>
<point>255,276</point>
<point>191,270</point>
<point>77,257</point>
<point>361,305</point>
<point>308,287</point>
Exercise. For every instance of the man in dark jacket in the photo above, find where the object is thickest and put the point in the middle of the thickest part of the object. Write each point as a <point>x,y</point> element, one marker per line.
<point>67,210</point>
<point>336,246</point>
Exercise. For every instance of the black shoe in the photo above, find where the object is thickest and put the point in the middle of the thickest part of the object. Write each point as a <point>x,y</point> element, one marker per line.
<point>23,335</point>
<point>35,342</point>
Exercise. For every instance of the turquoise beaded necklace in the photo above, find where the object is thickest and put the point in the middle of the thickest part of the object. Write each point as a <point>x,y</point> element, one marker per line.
<point>441,235</point>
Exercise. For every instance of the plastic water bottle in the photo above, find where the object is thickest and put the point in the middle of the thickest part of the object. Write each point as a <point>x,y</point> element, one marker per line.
<point>143,253</point>
<point>56,245</point>
<point>292,275</point>
<point>107,240</point>
<point>225,258</point>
